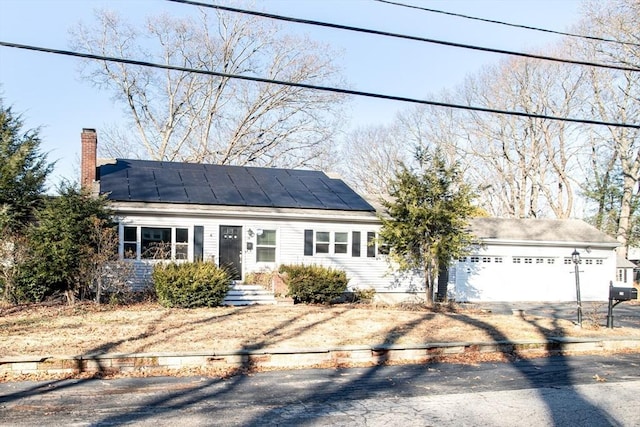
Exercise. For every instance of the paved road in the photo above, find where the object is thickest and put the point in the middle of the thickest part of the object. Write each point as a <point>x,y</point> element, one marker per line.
<point>560,391</point>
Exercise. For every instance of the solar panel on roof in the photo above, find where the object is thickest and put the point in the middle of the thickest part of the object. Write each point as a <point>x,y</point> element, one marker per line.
<point>314,183</point>
<point>229,196</point>
<point>331,200</point>
<point>305,199</point>
<point>144,193</point>
<point>143,180</point>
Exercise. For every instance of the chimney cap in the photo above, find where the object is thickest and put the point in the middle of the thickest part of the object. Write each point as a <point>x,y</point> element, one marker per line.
<point>88,130</point>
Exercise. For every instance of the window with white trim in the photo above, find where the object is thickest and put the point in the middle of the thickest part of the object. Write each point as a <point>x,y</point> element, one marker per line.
<point>130,242</point>
<point>340,242</point>
<point>486,259</point>
<point>266,246</point>
<point>498,259</point>
<point>323,241</point>
<point>517,260</point>
<point>155,242</point>
<point>182,243</point>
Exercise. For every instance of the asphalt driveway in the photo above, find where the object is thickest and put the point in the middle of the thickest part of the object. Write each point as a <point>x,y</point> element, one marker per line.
<point>625,314</point>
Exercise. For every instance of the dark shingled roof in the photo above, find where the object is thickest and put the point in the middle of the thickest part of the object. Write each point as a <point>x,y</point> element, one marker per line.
<point>195,183</point>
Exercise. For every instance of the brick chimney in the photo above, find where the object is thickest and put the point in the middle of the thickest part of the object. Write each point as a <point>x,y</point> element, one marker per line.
<point>89,140</point>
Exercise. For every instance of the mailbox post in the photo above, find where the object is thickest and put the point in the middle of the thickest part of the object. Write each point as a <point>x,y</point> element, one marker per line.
<point>619,295</point>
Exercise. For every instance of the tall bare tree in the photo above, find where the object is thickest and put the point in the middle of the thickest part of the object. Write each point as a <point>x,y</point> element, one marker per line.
<point>615,96</point>
<point>523,164</point>
<point>186,116</point>
<point>372,156</point>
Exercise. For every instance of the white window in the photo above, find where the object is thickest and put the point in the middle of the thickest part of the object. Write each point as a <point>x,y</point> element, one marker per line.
<point>498,259</point>
<point>539,260</point>
<point>155,243</point>
<point>323,240</point>
<point>568,261</point>
<point>182,243</point>
<point>528,260</point>
<point>599,262</point>
<point>130,247</point>
<point>588,261</point>
<point>517,260</point>
<point>486,259</point>
<point>341,241</point>
<point>551,260</point>
<point>475,259</point>
<point>266,246</point>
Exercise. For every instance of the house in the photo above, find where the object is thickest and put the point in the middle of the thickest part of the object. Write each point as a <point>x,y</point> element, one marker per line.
<point>251,219</point>
<point>531,260</point>
<point>247,219</point>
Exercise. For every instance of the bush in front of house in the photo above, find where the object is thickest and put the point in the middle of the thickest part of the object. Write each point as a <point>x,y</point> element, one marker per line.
<point>314,284</point>
<point>190,284</point>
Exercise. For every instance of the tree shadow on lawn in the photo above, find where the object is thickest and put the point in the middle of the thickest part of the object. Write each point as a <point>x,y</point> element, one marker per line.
<point>539,374</point>
<point>306,405</point>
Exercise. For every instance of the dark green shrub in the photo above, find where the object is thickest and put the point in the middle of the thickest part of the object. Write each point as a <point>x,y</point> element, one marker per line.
<point>190,284</point>
<point>314,284</point>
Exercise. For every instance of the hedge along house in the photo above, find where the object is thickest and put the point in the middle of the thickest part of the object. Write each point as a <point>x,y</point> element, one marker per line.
<point>243,218</point>
<point>531,260</point>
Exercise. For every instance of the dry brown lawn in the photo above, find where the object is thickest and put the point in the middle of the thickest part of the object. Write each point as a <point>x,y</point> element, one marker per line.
<point>88,329</point>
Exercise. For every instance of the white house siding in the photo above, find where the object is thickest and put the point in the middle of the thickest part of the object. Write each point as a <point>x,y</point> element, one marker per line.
<point>540,275</point>
<point>363,272</point>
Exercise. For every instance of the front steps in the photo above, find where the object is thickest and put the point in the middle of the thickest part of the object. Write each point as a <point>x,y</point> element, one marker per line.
<point>248,295</point>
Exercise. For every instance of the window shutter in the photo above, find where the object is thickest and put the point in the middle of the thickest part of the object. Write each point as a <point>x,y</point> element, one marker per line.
<point>371,246</point>
<point>198,243</point>
<point>308,242</point>
<point>355,244</point>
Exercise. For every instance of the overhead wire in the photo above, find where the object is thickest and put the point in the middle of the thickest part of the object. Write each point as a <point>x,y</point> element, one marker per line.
<point>310,86</point>
<point>526,27</point>
<point>402,36</point>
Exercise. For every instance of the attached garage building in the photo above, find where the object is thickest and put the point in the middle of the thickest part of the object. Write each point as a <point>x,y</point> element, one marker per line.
<point>530,260</point>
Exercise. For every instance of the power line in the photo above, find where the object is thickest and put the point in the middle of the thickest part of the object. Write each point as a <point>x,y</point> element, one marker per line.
<point>526,27</point>
<point>403,36</point>
<point>311,87</point>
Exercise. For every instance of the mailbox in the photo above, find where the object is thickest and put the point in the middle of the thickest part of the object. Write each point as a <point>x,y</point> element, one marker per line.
<point>622,294</point>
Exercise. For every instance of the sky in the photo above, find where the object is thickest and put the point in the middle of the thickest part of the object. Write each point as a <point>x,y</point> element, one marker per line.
<point>47,90</point>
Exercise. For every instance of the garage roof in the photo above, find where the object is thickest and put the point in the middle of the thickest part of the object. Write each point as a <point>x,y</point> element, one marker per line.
<point>543,230</point>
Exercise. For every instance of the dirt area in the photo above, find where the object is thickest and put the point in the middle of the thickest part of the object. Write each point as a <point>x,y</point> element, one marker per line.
<point>89,329</point>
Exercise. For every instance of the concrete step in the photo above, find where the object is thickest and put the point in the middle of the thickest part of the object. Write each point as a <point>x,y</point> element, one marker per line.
<point>248,295</point>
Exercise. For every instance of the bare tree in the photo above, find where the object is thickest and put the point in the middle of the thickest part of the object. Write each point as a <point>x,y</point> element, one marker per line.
<point>371,156</point>
<point>523,164</point>
<point>615,96</point>
<point>186,116</point>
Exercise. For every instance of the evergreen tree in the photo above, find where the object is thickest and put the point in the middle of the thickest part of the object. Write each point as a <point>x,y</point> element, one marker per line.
<point>63,244</point>
<point>23,171</point>
<point>427,219</point>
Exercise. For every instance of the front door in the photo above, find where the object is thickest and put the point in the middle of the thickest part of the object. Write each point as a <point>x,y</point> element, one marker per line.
<point>231,250</point>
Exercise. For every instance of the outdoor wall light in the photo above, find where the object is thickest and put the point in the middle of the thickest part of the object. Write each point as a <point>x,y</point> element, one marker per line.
<point>575,256</point>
